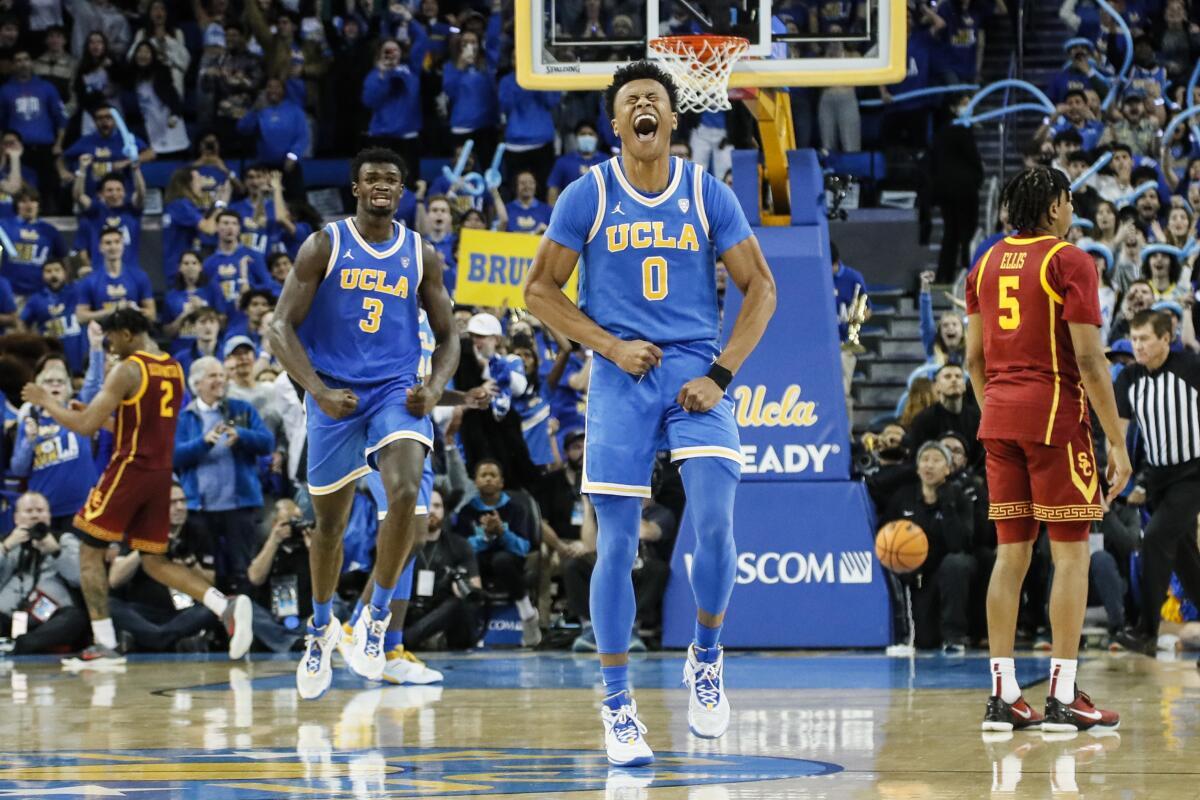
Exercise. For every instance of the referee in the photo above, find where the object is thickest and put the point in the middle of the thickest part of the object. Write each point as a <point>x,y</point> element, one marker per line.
<point>1160,393</point>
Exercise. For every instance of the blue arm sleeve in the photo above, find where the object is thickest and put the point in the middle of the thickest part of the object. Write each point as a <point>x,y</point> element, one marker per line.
<point>727,225</point>
<point>574,213</point>
<point>928,326</point>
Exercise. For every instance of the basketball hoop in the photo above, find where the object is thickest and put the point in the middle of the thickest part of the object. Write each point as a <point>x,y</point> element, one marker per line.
<point>701,66</point>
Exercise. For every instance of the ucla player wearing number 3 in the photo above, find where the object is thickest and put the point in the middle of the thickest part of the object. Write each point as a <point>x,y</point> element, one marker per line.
<point>346,329</point>
<point>650,229</point>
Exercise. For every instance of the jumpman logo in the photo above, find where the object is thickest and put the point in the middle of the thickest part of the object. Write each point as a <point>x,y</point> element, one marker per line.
<point>349,256</point>
<point>617,209</point>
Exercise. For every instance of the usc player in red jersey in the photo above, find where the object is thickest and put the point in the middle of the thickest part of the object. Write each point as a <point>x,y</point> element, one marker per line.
<point>1036,359</point>
<point>132,498</point>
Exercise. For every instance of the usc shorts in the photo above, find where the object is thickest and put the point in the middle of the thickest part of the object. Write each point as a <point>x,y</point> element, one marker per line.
<point>130,502</point>
<point>1048,483</point>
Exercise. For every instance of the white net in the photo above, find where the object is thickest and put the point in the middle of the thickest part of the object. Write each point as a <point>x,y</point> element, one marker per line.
<point>700,66</point>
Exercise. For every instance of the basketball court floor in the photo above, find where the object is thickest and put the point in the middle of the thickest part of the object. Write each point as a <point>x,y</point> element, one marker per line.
<point>811,725</point>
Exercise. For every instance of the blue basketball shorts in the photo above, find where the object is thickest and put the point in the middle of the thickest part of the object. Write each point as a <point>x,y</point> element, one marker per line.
<point>343,450</point>
<point>630,419</point>
<point>379,495</point>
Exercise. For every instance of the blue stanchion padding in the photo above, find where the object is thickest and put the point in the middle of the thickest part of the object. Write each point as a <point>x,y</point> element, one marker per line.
<point>1000,112</point>
<point>745,183</point>
<point>792,422</point>
<point>1099,164</point>
<point>1014,83</point>
<point>128,142</point>
<point>915,93</point>
<point>1137,192</point>
<point>806,182</point>
<point>453,175</point>
<point>806,571</point>
<point>1127,61</point>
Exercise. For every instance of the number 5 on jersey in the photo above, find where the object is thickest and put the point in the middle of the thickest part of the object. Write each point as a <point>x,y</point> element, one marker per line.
<point>654,278</point>
<point>1010,319</point>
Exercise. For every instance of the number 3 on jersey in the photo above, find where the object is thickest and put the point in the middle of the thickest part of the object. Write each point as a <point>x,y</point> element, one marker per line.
<point>374,308</point>
<point>654,278</point>
<point>1010,319</point>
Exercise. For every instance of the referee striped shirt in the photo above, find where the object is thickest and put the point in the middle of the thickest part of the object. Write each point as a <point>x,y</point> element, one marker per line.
<point>1163,403</point>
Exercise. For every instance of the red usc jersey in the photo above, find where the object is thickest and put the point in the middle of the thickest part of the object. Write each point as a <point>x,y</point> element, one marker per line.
<point>1026,291</point>
<point>145,424</point>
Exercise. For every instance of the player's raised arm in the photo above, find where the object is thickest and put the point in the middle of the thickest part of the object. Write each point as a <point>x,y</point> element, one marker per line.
<point>552,268</point>
<point>120,384</point>
<point>436,302</point>
<point>299,289</point>
<point>750,273</point>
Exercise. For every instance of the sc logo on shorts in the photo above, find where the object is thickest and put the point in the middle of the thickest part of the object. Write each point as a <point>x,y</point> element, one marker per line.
<point>1084,464</point>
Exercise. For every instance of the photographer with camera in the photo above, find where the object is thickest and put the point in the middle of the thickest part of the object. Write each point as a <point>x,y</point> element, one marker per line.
<point>447,591</point>
<point>281,574</point>
<point>39,573</point>
<point>155,617</point>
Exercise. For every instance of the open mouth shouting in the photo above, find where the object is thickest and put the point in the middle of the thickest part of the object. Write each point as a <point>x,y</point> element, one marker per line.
<point>381,199</point>
<point>645,126</point>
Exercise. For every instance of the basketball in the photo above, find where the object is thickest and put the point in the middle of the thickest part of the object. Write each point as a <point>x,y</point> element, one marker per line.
<point>901,546</point>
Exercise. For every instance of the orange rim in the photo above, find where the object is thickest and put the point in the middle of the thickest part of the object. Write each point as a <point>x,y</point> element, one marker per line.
<point>694,44</point>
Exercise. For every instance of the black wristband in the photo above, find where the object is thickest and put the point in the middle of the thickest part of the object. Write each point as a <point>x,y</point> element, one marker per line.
<point>720,376</point>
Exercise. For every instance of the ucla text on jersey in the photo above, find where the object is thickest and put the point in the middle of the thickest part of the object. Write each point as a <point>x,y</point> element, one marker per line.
<point>363,325</point>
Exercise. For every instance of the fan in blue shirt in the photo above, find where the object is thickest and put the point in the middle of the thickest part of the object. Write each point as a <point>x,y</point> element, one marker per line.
<point>12,172</point>
<point>527,214</point>
<point>439,232</point>
<point>1077,116</point>
<point>107,149</point>
<point>261,231</point>
<point>190,291</point>
<point>186,217</point>
<point>845,281</point>
<point>114,285</point>
<point>392,91</point>
<point>280,125</point>
<point>51,312</point>
<point>34,242</point>
<point>234,268</point>
<point>572,166</point>
<point>109,210</point>
<point>29,105</point>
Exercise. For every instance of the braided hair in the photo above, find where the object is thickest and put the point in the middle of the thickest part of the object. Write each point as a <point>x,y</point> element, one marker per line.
<point>1030,194</point>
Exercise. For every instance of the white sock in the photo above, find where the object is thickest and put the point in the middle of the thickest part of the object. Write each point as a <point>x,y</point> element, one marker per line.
<point>104,633</point>
<point>1004,680</point>
<point>526,609</point>
<point>215,602</point>
<point>1062,679</point>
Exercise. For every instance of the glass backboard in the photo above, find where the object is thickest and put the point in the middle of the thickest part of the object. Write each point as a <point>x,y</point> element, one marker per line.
<point>577,44</point>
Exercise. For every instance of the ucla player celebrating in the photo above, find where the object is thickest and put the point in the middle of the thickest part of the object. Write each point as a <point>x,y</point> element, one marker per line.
<point>346,329</point>
<point>650,229</point>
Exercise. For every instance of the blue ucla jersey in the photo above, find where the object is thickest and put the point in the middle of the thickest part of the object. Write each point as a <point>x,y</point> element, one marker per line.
<point>58,464</point>
<point>363,324</point>
<point>650,260</point>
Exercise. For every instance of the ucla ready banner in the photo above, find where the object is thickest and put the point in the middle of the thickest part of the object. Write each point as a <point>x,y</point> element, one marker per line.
<point>806,571</point>
<point>788,400</point>
<point>493,266</point>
